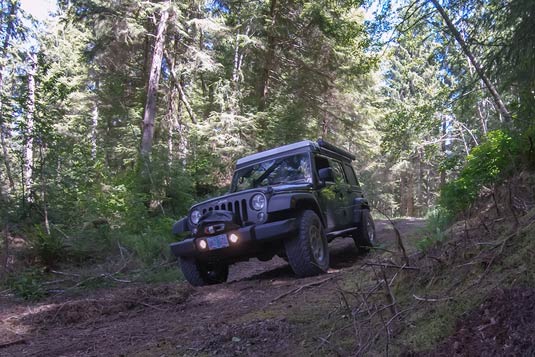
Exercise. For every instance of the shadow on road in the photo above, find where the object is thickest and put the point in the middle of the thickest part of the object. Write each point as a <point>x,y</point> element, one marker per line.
<point>343,254</point>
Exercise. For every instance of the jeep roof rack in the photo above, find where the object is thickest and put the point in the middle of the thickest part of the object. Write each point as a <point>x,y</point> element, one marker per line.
<point>320,144</point>
<point>324,144</point>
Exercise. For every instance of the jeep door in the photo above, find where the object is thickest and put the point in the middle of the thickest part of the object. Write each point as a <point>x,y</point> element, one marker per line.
<point>333,197</point>
<point>354,190</point>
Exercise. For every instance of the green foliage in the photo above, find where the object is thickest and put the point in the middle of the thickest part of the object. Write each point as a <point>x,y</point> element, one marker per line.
<point>48,248</point>
<point>27,284</point>
<point>485,165</point>
<point>438,220</point>
<point>151,244</point>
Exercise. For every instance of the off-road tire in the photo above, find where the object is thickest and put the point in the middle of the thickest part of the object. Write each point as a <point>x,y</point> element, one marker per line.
<point>308,252</point>
<point>199,274</point>
<point>365,236</point>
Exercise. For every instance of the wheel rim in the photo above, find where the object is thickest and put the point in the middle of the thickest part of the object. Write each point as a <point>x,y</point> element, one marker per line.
<point>316,243</point>
<point>371,231</point>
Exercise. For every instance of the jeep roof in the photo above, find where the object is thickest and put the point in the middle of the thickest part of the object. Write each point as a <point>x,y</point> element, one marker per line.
<point>301,146</point>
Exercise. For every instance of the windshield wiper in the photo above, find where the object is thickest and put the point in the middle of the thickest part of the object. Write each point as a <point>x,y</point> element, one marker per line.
<point>267,172</point>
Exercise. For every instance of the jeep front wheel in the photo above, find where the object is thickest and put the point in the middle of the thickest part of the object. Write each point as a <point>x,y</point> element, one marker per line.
<point>308,252</point>
<point>199,274</point>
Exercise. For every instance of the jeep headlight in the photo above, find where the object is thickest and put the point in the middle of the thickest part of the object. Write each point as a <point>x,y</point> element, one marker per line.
<point>194,216</point>
<point>258,202</point>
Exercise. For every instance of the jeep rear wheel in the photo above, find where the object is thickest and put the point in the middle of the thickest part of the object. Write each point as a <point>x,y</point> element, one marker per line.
<point>308,252</point>
<point>199,274</point>
<point>364,237</point>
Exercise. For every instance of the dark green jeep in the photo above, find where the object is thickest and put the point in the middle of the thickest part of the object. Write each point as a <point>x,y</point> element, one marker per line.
<point>288,201</point>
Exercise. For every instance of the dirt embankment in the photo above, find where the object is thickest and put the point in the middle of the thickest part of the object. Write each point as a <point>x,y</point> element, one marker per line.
<point>250,315</point>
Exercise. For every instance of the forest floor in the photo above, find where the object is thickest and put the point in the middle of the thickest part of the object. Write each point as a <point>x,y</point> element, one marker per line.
<point>253,314</point>
<point>263,310</point>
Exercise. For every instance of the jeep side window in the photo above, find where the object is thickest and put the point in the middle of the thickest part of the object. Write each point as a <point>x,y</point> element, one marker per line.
<point>338,171</point>
<point>350,173</point>
<point>321,163</point>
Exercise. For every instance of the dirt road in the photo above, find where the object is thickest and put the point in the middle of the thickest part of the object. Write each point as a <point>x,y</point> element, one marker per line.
<point>262,310</point>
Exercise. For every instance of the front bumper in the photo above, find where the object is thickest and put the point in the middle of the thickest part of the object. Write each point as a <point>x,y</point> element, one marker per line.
<point>250,239</point>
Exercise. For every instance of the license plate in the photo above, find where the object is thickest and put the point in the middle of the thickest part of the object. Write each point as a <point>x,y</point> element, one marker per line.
<point>217,242</point>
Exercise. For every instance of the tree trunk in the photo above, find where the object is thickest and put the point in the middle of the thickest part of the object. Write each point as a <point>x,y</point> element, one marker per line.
<point>152,87</point>
<point>268,66</point>
<point>44,189</point>
<point>28,145</point>
<point>420,206</point>
<point>6,157</point>
<point>94,122</point>
<point>410,193</point>
<point>5,253</point>
<point>236,62</point>
<point>443,149</point>
<point>13,7</point>
<point>500,105</point>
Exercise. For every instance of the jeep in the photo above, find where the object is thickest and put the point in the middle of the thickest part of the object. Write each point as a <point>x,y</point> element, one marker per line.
<point>289,201</point>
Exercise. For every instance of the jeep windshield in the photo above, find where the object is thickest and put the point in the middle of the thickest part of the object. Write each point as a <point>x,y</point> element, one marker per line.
<point>285,170</point>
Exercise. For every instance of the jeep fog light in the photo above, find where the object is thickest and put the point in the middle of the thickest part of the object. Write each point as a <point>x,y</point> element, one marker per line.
<point>258,201</point>
<point>203,244</point>
<point>233,238</point>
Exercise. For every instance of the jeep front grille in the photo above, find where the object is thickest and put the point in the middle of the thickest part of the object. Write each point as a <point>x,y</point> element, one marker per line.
<point>238,207</point>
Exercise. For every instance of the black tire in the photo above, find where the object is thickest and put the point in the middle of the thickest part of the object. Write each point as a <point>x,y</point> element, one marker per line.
<point>308,252</point>
<point>365,236</point>
<point>199,274</point>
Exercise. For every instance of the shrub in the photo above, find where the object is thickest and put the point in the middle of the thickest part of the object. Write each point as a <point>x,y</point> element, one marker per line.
<point>48,248</point>
<point>26,285</point>
<point>485,165</point>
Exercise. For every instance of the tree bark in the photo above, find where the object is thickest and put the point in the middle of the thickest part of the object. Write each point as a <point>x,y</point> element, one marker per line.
<point>152,87</point>
<point>44,189</point>
<point>443,149</point>
<point>28,145</point>
<point>6,157</point>
<point>178,85</point>
<point>5,253</point>
<point>410,193</point>
<point>13,7</point>
<point>500,105</point>
<point>94,122</point>
<point>264,88</point>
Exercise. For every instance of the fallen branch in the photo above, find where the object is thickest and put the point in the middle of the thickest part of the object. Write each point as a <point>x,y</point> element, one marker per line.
<point>298,289</point>
<point>394,266</point>
<point>399,241</point>
<point>65,274</point>
<point>431,299</point>
<point>11,343</point>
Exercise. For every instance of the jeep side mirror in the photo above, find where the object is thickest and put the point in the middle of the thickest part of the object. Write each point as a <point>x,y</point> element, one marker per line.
<point>326,174</point>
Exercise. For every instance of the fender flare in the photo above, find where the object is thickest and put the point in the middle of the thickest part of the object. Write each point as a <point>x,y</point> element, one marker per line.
<point>292,201</point>
<point>360,204</point>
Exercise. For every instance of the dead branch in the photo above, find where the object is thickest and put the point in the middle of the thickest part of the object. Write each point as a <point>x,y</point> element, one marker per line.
<point>65,274</point>
<point>394,266</point>
<point>389,295</point>
<point>298,289</point>
<point>364,348</point>
<point>431,299</point>
<point>511,204</point>
<point>399,241</point>
<point>11,343</point>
